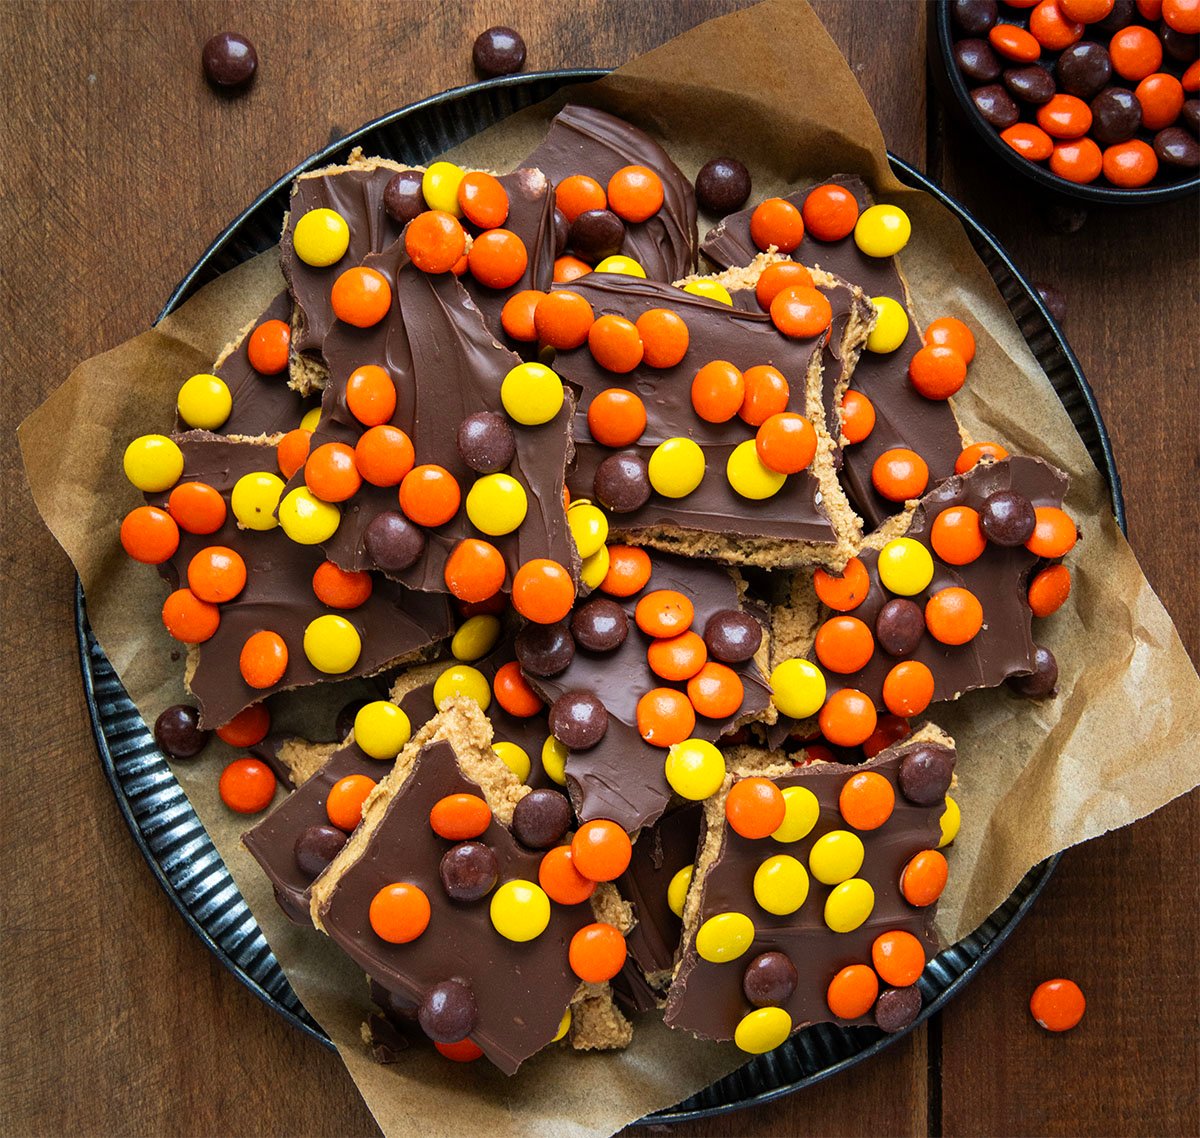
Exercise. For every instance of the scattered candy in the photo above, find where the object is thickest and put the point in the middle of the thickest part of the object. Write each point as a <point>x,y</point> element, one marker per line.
<point>498,51</point>
<point>247,786</point>
<point>1057,1005</point>
<point>229,60</point>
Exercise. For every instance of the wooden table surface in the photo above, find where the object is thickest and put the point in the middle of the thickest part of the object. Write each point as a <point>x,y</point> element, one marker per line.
<point>119,168</point>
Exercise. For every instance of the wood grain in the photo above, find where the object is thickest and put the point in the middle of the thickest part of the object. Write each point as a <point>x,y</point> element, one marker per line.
<point>113,1016</point>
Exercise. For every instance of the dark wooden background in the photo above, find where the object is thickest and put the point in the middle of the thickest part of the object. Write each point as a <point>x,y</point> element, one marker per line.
<point>118,168</point>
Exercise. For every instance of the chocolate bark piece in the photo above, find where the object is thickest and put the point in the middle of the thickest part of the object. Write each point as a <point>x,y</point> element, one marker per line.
<point>396,625</point>
<point>446,366</point>
<point>583,140</point>
<point>622,777</point>
<point>808,519</point>
<point>903,417</point>
<point>708,998</point>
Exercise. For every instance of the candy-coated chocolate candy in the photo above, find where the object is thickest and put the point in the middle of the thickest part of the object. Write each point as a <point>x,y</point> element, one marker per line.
<point>957,536</point>
<point>520,910</point>
<point>800,813</point>
<point>905,566</point>
<point>498,50</point>
<point>1031,84</point>
<point>830,212</point>
<point>518,316</point>
<point>851,993</point>
<point>545,649</point>
<point>458,817</point>
<point>977,61</point>
<point>677,658</point>
<point>844,644</point>
<point>770,979</point>
<point>393,542</point>
<point>1065,116</point>
<point>498,258</point>
<point>950,822</point>
<point>204,402</point>
<point>858,417</point>
<point>622,266</point>
<point>344,803</point>
<point>1182,16</point>
<point>440,184</point>
<point>475,638</point>
<point>382,729</point>
<point>541,819</point>
<point>593,570</point>
<point>464,1051</point>
<point>1014,43</point>
<point>589,527</point>
<point>1057,1005</point>
<point>836,857</point>
<point>677,889</point>
<point>399,912</point>
<point>801,311</point>
<point>897,1008</point>
<point>1130,164</point>
<point>515,758</point>
<point>153,463</point>
<point>596,234</point>
<point>898,957</point>
<point>996,106</point>
<point>722,185</point>
<point>1136,52</point>
<point>332,644</point>
<point>563,319</point>
<point>306,519</point>
<point>718,390</point>
<point>846,592</point>
<point>216,574</point>
<point>1175,147</point>
<point>754,807</point>
<point>448,1013</point>
<point>785,443</point>
<point>676,467</point>
<point>402,196</point>
<point>664,336</point>
<point>665,716</point>
<point>461,680</point>
<point>554,760</point>
<point>1042,681</point>
<point>188,618</point>
<point>732,636</point>
<point>924,878</point>
<point>776,223</point>
<point>247,786</point>
<point>255,499</point>
<point>925,774</point>
<point>849,905</point>
<point>599,626</point>
<point>797,688</point>
<point>1052,28</point>
<point>777,277</point>
<point>628,572</point>
<point>953,616</point>
<point>178,733</point>
<point>316,847</point>
<point>1054,533</point>
<point>601,850</point>
<point>263,659</point>
<point>616,417</point>
<point>597,952</point>
<point>435,241</point>
<point>149,535</point>
<point>430,495</point>
<point>749,475</point>
<point>899,627</point>
<point>542,591</point>
<point>578,720</point>
<point>1049,590</point>
<point>882,230</point>
<point>762,1030</point>
<point>532,394</point>
<point>371,395</point>
<point>564,1025</point>
<point>1083,70</point>
<point>900,474</point>
<point>1007,518</point>
<point>716,691</point>
<point>767,394</point>
<point>361,296</point>
<point>891,325</point>
<point>197,507</point>
<point>497,504</point>
<point>975,17</point>
<point>292,451</point>
<point>331,473</point>
<point>321,238</point>
<point>695,769</point>
<point>709,290</point>
<point>635,193</point>
<point>781,885</point>
<point>341,588</point>
<point>937,371</point>
<point>867,800</point>
<point>229,60</point>
<point>483,200</point>
<point>724,937</point>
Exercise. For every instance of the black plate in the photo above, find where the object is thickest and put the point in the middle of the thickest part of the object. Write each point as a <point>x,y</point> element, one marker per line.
<point>167,830</point>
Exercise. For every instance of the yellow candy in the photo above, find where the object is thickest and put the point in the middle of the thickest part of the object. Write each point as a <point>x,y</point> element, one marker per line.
<point>332,644</point>
<point>762,1030</point>
<point>905,566</point>
<point>710,290</point>
<point>520,910</point>
<point>695,769</point>
<point>678,888</point>
<point>255,498</point>
<point>780,885</point>
<point>849,905</point>
<point>950,821</point>
<point>462,680</point>
<point>564,1025</point>
<point>153,463</point>
<point>475,638</point>
<point>204,402</point>
<point>306,519</point>
<point>310,419</point>
<point>440,187</point>
<point>589,527</point>
<point>676,467</point>
<point>800,812</point>
<point>836,857</point>
<point>532,394</point>
<point>724,937</point>
<point>595,568</point>
<point>554,760</point>
<point>891,326</point>
<point>321,237</point>
<point>797,688</point>
<point>497,504</point>
<point>515,758</point>
<point>749,476</point>
<point>382,729</point>
<point>882,230</point>
<point>625,266</point>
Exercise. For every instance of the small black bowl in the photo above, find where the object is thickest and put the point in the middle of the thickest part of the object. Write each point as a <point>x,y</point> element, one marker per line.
<point>1158,191</point>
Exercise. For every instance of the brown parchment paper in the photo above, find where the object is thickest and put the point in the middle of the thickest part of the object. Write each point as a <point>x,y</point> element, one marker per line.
<point>770,86</point>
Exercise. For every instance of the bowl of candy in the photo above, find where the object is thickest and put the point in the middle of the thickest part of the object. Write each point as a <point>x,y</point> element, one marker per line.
<point>1095,99</point>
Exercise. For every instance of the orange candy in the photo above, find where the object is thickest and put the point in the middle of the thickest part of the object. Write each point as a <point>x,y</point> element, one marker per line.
<point>1182,16</point>
<point>474,571</point>
<point>937,372</point>
<point>677,658</point>
<point>628,571</point>
<point>1049,590</point>
<point>577,194</point>
<point>665,717</point>
<point>361,296</point>
<point>384,455</point>
<point>867,800</point>
<point>971,455</point>
<point>953,615</point>
<point>776,222</point>
<point>1065,116</point>
<point>429,494</point>
<point>858,416</point>
<point>542,591</point>
<point>434,241</point>
<point>370,395</point>
<point>830,213</point>
<point>924,878</point>
<point>786,443</point>
<point>267,348</point>
<point>1078,160</point>
<point>908,688</point>
<point>247,786</point>
<point>344,803</point>
<point>1149,9</point>
<point>597,952</point>
<point>848,718</point>
<point>715,691</point>
<point>664,612</point>
<point>563,319</point>
<point>900,474</point>
<point>665,337</point>
<point>399,913</point>
<point>1029,141</point>
<point>635,193</point>
<point>150,535</point>
<point>1161,97</point>
<point>1057,1005</point>
<point>899,958</point>
<point>498,258</point>
<point>718,391</point>
<point>560,880</point>
<point>483,200</point>
<point>248,727</point>
<point>460,817</point>
<point>600,850</point>
<point>890,729</point>
<point>852,992</point>
<point>1130,164</point>
<point>754,807</point>
<point>775,278</point>
<point>517,315</point>
<point>513,692</point>
<point>844,644</point>
<point>1085,11</point>
<point>567,269</point>
<point>950,332</point>
<point>464,1051</point>
<point>188,618</point>
<point>331,473</point>
<point>292,451</point>
<point>615,344</point>
<point>1054,534</point>
<point>801,311</point>
<point>1051,28</point>
<point>1014,43</point>
<point>197,507</point>
<point>616,417</point>
<point>341,588</point>
<point>263,659</point>
<point>767,393</point>
<point>844,593</point>
<point>216,574</point>
<point>956,536</point>
<point>1135,52</point>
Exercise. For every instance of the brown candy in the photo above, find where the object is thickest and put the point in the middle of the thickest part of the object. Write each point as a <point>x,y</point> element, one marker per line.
<point>769,980</point>
<point>1054,301</point>
<point>1030,84</point>
<point>316,847</point>
<point>448,1013</point>
<point>498,51</point>
<point>562,230</point>
<point>178,733</point>
<point>1120,17</point>
<point>996,105</point>
<point>1042,682</point>
<point>403,197</point>
<point>975,17</point>
<point>899,626</point>
<point>541,818</point>
<point>393,542</point>
<point>578,720</point>
<point>469,871</point>
<point>925,774</point>
<point>1083,70</point>
<point>897,1008</point>
<point>486,442</point>
<point>544,649</point>
<point>229,60</point>
<point>1007,518</point>
<point>732,636</point>
<point>1175,147</point>
<point>977,61</point>
<point>600,625</point>
<point>622,483</point>
<point>1116,116</point>
<point>722,186</point>
<point>596,234</point>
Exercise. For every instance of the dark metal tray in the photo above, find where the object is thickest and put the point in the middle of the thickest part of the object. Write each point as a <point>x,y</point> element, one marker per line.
<point>166,828</point>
